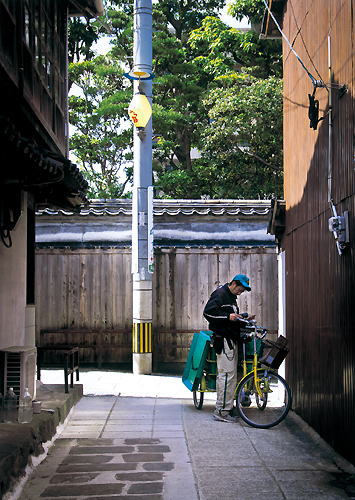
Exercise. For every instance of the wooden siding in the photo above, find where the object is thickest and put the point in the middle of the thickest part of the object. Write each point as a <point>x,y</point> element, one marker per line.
<point>320,284</point>
<point>88,293</point>
<point>33,57</point>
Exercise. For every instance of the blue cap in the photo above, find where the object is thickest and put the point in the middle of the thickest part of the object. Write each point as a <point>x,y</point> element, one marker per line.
<point>243,280</point>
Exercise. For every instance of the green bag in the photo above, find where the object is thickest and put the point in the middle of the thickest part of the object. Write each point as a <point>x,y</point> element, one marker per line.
<point>196,360</point>
<point>249,350</point>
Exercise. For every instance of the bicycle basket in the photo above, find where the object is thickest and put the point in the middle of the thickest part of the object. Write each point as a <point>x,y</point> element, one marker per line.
<point>274,352</point>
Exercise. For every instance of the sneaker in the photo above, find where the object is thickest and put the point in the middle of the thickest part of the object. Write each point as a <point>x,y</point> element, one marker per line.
<point>233,412</point>
<point>225,418</point>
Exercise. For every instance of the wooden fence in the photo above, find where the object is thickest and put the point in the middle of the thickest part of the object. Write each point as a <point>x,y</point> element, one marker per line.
<point>84,298</point>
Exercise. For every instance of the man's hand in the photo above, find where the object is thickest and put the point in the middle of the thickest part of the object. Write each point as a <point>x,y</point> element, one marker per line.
<point>235,317</point>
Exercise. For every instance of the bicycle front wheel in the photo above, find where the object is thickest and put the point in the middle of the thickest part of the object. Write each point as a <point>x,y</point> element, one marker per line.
<point>271,407</point>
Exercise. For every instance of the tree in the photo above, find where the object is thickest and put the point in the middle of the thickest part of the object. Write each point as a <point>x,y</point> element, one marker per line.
<point>243,142</point>
<point>178,114</point>
<point>187,15</point>
<point>196,63</point>
<point>81,36</point>
<point>101,142</point>
<point>238,158</point>
<point>241,148</point>
<point>252,9</point>
<point>220,49</point>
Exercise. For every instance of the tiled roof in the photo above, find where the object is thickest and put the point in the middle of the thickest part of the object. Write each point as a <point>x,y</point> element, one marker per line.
<point>173,208</point>
<point>177,223</point>
<point>52,178</point>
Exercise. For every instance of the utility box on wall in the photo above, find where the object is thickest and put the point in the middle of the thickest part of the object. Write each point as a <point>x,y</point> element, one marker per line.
<point>18,370</point>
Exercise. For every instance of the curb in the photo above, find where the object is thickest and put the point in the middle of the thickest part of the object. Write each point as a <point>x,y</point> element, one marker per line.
<point>339,461</point>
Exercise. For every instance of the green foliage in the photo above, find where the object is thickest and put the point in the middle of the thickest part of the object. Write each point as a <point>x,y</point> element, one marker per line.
<point>241,148</point>
<point>233,117</point>
<point>219,49</point>
<point>81,36</point>
<point>187,15</point>
<point>177,110</point>
<point>120,14</point>
<point>102,141</point>
<point>202,99</point>
<point>244,138</point>
<point>252,9</point>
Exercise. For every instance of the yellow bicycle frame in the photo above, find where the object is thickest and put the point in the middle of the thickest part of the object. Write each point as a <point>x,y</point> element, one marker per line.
<point>254,369</point>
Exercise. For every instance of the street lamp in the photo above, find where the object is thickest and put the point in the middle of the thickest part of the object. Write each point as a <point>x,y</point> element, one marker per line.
<point>140,111</point>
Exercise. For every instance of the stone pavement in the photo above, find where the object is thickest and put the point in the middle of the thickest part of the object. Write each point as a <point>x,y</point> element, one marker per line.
<point>140,437</point>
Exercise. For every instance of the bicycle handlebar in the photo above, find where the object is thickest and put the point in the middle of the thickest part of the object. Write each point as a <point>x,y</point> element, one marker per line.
<point>259,330</point>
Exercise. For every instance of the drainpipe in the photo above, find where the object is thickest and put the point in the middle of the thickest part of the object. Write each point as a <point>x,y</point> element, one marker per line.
<point>329,125</point>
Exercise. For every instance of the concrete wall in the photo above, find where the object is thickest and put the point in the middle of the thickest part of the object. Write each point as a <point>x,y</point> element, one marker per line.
<point>13,285</point>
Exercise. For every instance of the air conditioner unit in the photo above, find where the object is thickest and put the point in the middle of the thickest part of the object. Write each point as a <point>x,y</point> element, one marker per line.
<point>19,370</point>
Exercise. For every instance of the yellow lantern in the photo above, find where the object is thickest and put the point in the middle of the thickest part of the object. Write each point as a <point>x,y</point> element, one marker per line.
<point>140,110</point>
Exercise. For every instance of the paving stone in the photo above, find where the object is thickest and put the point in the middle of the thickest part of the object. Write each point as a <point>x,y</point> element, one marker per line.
<point>94,450</point>
<point>77,459</point>
<point>143,488</point>
<point>128,497</point>
<point>161,466</point>
<point>128,463</point>
<point>76,491</point>
<point>139,476</point>
<point>110,467</point>
<point>73,478</point>
<point>143,457</point>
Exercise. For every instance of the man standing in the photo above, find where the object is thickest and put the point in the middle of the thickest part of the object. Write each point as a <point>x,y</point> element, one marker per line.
<point>222,313</point>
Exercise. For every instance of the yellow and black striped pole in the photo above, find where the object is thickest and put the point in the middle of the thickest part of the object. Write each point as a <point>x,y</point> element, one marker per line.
<point>142,338</point>
<point>142,326</point>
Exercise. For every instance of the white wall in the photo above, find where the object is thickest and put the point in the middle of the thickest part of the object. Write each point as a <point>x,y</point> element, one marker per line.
<point>13,285</point>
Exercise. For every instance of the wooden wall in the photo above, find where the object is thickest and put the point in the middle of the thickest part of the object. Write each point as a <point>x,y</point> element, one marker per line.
<point>85,295</point>
<point>320,284</point>
<point>33,66</point>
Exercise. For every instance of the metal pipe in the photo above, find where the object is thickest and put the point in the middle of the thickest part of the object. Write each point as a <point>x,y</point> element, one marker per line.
<point>330,149</point>
<point>329,124</point>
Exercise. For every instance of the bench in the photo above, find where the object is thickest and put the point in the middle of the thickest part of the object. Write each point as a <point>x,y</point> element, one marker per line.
<point>71,362</point>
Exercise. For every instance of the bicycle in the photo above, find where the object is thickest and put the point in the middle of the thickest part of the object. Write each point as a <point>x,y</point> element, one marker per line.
<point>263,397</point>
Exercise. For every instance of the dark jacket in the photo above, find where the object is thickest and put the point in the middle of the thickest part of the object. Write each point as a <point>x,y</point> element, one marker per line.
<point>220,305</point>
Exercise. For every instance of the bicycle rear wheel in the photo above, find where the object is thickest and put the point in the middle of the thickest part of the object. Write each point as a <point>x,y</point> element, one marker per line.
<point>198,399</point>
<point>274,405</point>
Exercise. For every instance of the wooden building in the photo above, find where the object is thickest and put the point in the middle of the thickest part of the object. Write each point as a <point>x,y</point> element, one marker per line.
<point>34,168</point>
<point>318,270</point>
<point>84,281</point>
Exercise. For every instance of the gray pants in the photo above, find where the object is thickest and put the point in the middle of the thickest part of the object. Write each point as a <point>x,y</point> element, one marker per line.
<point>226,383</point>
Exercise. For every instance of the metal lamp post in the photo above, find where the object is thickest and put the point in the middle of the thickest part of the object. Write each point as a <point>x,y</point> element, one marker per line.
<point>142,203</point>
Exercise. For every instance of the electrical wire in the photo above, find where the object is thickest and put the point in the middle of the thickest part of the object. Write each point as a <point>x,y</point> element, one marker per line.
<point>299,33</point>
<point>316,83</point>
